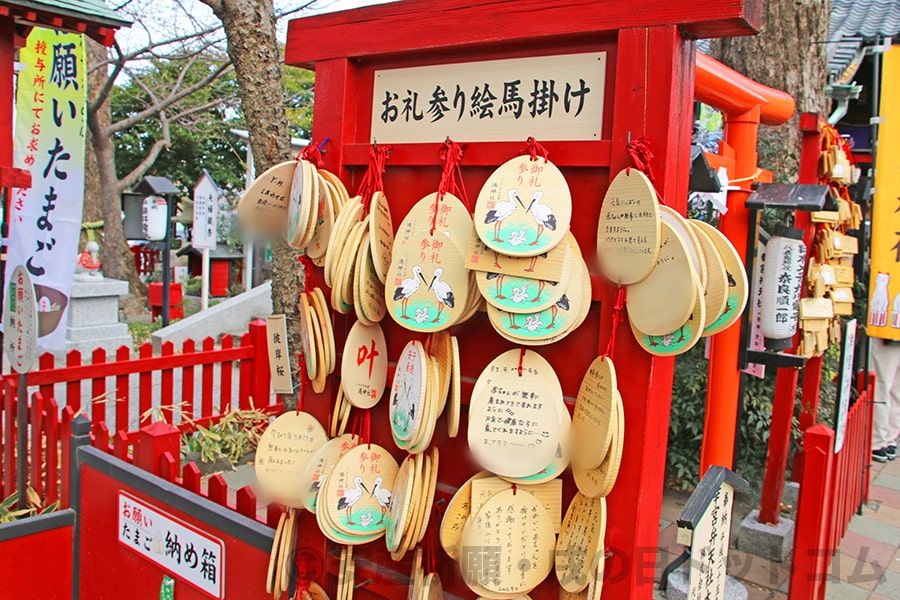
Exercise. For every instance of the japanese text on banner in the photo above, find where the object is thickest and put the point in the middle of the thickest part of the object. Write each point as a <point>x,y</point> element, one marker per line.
<point>45,220</point>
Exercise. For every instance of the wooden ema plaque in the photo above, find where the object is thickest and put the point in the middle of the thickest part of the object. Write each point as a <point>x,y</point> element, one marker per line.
<point>738,287</point>
<point>579,548</point>
<point>648,58</point>
<point>628,233</point>
<point>263,207</point>
<point>364,365</point>
<point>283,451</point>
<point>514,425</point>
<point>594,418</point>
<point>680,340</point>
<point>507,517</point>
<point>672,278</point>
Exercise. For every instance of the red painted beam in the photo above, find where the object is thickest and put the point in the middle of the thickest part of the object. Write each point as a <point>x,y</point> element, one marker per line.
<point>733,93</point>
<point>420,25</point>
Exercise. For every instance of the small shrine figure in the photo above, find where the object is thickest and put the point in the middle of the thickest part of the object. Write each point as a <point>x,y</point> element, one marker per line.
<point>87,267</point>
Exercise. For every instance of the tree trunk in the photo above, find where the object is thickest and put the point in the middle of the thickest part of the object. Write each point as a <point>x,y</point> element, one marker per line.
<point>253,49</point>
<point>101,197</point>
<point>788,54</point>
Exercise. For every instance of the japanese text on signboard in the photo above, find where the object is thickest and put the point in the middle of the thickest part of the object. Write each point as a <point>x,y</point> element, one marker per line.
<point>187,553</point>
<point>548,97</point>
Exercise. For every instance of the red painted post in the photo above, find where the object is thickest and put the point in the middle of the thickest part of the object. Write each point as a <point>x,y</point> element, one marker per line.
<point>154,440</point>
<point>166,379</point>
<point>73,388</point>
<point>207,371</point>
<point>123,393</point>
<point>190,478</point>
<point>812,552</point>
<point>145,383</point>
<point>779,444</point>
<point>225,377</point>
<point>217,490</point>
<point>65,455</point>
<point>187,384</point>
<point>52,428</point>
<point>245,373</point>
<point>245,502</point>
<point>260,387</point>
<point>809,406</point>
<point>36,452</point>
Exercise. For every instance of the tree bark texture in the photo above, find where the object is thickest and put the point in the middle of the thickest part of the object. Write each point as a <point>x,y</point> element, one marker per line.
<point>101,195</point>
<point>253,49</point>
<point>789,55</point>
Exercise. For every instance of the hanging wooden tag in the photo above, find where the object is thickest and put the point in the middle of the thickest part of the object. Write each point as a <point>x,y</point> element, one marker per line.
<point>600,481</point>
<point>401,502</point>
<point>690,239</point>
<point>628,234</point>
<point>455,516</point>
<point>517,523</point>
<point>519,294</point>
<point>594,417</point>
<point>549,494</point>
<point>320,464</point>
<point>664,299</point>
<point>715,294</point>
<point>524,207</point>
<point>455,399</point>
<point>408,391</point>
<point>263,207</point>
<point>368,290</point>
<point>273,555</point>
<point>560,457</point>
<point>580,543</point>
<point>682,339</point>
<point>737,280</point>
<point>283,451</point>
<point>318,380</point>
<point>324,222</point>
<point>513,423</point>
<point>381,234</point>
<point>364,365</point>
<point>549,266</point>
<point>356,490</point>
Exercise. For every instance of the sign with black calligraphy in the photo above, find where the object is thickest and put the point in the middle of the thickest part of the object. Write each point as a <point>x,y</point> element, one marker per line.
<point>206,212</point>
<point>705,526</point>
<point>845,382</point>
<point>279,356</point>
<point>45,220</point>
<point>547,97</point>
<point>182,550</point>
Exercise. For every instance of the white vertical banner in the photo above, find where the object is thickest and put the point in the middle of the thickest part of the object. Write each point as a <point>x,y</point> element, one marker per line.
<point>45,220</point>
<point>206,201</point>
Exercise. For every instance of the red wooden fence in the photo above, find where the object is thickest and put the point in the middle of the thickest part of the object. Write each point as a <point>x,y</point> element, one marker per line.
<point>61,394</point>
<point>832,488</point>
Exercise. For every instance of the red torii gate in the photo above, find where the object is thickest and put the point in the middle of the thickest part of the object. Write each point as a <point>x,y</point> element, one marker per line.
<point>649,92</point>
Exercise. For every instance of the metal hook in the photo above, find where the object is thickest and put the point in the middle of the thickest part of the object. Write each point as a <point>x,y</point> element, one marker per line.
<point>628,144</point>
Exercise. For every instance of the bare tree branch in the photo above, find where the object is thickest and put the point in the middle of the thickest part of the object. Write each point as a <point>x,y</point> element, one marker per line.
<point>167,102</point>
<point>158,146</point>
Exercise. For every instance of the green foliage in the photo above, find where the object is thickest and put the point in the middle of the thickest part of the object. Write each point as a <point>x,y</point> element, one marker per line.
<point>199,141</point>
<point>298,87</point>
<point>192,286</point>
<point>687,421</point>
<point>34,507</point>
<point>232,437</point>
<point>141,332</point>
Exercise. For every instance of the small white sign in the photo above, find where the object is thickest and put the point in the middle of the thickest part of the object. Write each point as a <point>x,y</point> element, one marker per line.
<point>182,550</point>
<point>546,97</point>
<point>709,547</point>
<point>848,349</point>
<point>757,340</point>
<point>206,200</point>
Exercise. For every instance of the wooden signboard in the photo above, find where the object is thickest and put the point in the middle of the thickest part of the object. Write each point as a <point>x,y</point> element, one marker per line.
<point>845,382</point>
<point>279,357</point>
<point>647,92</point>
<point>20,321</point>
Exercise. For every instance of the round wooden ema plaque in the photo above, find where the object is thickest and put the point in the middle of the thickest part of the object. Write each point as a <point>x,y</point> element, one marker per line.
<point>594,417</point>
<point>447,216</point>
<point>320,306</point>
<point>346,219</point>
<point>519,519</point>
<point>264,206</point>
<point>318,381</point>
<point>455,399</point>
<point>565,595</point>
<point>320,464</point>
<point>345,272</point>
<point>580,542</point>
<point>514,427</point>
<point>381,234</point>
<point>560,457</point>
<point>343,197</point>
<point>456,515</point>
<point>737,280</point>
<point>296,220</point>
<point>283,451</point>
<point>358,491</point>
<point>691,241</point>
<point>600,481</point>
<point>307,336</point>
<point>524,207</point>
<point>519,294</point>
<point>628,234</point>
<point>440,348</point>
<point>715,294</point>
<point>364,365</point>
<point>682,339</point>
<point>429,487</point>
<point>273,555</point>
<point>433,588</point>
<point>324,223</point>
<point>663,300</point>
<point>290,549</point>
<point>408,391</point>
<point>368,291</point>
<point>400,502</point>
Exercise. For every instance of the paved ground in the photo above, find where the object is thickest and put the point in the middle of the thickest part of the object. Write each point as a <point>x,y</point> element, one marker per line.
<point>866,567</point>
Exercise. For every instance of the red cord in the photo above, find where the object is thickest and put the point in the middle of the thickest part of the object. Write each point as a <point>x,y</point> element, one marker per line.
<point>521,359</point>
<point>313,154</point>
<point>617,317</point>
<point>533,148</point>
<point>373,180</point>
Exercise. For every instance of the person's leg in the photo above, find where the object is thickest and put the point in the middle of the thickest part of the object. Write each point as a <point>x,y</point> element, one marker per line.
<point>885,362</point>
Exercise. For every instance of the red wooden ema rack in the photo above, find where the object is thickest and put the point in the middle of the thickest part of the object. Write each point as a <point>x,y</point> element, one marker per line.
<point>648,92</point>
